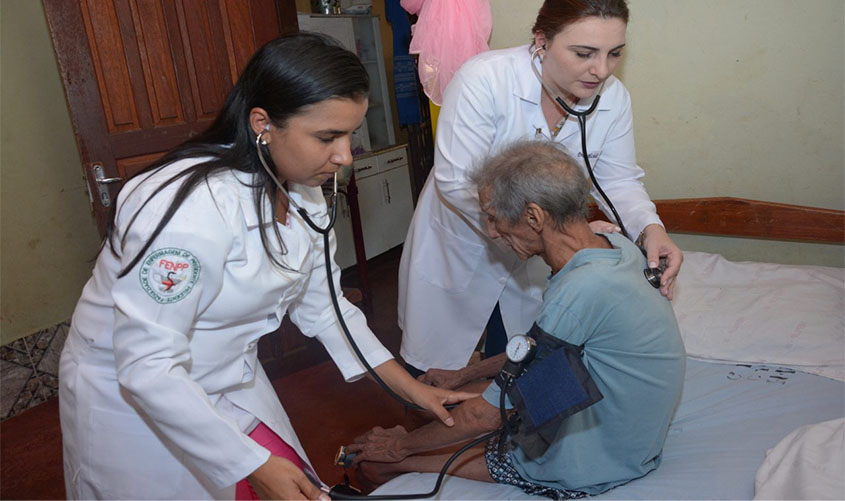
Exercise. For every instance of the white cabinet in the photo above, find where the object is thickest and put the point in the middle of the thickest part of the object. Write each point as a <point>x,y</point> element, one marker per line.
<point>385,204</point>
<point>361,35</point>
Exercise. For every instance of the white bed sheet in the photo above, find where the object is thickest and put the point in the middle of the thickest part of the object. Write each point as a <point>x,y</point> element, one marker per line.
<point>729,416</point>
<point>762,313</point>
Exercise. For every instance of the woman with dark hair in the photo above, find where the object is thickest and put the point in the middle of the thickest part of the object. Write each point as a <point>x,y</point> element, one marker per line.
<point>454,281</point>
<point>161,391</point>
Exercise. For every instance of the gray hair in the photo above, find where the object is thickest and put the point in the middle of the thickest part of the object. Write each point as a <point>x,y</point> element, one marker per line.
<point>534,171</point>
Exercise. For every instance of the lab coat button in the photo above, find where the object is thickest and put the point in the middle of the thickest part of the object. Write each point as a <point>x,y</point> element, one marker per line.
<point>251,346</point>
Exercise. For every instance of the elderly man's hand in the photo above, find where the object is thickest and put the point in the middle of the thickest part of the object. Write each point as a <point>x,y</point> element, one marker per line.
<point>379,445</point>
<point>443,378</point>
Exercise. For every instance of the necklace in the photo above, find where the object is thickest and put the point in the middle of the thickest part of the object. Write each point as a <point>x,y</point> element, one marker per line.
<point>554,131</point>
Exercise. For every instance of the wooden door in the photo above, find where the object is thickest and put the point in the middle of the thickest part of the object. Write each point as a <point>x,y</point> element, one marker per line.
<point>142,76</point>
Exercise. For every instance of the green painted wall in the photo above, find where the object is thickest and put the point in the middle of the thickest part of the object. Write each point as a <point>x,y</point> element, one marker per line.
<point>48,237</point>
<point>740,98</point>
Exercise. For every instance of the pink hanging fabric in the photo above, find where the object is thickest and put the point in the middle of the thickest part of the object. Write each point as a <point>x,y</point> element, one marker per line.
<point>447,33</point>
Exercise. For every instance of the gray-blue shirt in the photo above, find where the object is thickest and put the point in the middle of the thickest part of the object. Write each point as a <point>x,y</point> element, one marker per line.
<point>634,353</point>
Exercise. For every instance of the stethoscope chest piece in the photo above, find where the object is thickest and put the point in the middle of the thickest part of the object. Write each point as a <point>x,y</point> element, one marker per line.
<point>653,276</point>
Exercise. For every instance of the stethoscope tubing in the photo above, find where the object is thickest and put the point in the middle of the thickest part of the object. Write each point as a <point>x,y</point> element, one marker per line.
<point>652,274</point>
<point>581,116</point>
<point>329,278</point>
<point>333,293</point>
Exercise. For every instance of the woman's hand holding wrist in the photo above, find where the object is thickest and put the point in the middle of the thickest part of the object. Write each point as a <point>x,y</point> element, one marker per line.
<point>428,397</point>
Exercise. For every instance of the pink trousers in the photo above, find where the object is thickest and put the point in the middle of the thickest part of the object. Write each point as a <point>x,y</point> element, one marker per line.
<point>266,438</point>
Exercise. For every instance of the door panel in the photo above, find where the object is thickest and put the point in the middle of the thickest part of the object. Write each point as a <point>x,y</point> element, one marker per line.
<point>142,76</point>
<point>207,64</point>
<point>110,67</point>
<point>157,63</point>
<point>130,165</point>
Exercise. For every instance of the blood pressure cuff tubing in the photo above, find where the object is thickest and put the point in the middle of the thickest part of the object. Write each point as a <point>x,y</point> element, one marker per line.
<point>554,385</point>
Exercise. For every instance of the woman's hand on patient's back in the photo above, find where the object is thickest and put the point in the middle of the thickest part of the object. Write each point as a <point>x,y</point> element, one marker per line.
<point>599,226</point>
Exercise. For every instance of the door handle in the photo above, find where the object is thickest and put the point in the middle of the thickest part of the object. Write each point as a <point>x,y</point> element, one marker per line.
<point>109,180</point>
<point>385,186</point>
<point>103,182</point>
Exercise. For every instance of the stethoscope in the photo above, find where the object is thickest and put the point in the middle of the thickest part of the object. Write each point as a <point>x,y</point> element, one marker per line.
<point>653,275</point>
<point>259,142</point>
<point>339,491</point>
<point>581,116</point>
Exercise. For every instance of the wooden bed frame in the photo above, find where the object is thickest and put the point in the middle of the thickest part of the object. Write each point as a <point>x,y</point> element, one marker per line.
<point>739,217</point>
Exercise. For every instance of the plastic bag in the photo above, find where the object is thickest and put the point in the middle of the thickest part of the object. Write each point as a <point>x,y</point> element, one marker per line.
<point>447,33</point>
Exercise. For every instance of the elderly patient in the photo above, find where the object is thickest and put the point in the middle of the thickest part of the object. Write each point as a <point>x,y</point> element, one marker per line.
<point>535,199</point>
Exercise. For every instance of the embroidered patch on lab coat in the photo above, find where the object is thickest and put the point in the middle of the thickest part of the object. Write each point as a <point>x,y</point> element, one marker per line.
<point>168,275</point>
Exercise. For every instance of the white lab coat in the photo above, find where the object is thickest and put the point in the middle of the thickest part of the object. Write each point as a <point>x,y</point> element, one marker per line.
<point>451,274</point>
<point>156,397</point>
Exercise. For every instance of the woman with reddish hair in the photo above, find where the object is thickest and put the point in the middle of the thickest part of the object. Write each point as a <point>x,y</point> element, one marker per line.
<point>454,281</point>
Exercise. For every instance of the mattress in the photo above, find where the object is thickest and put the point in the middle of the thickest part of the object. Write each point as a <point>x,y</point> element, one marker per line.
<point>730,415</point>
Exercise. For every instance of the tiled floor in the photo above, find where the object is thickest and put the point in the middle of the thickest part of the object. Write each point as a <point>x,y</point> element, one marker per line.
<point>325,411</point>
<point>29,369</point>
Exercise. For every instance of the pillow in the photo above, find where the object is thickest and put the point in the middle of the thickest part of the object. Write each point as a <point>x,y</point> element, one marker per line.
<point>807,464</point>
<point>762,313</point>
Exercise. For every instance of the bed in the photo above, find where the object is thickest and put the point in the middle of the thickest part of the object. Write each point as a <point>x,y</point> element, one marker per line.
<point>764,392</point>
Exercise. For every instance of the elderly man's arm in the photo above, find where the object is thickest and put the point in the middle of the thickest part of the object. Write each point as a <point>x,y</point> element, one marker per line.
<point>472,418</point>
<point>454,379</point>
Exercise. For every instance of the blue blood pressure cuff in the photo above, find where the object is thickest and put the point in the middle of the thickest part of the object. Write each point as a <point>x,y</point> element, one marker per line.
<point>553,386</point>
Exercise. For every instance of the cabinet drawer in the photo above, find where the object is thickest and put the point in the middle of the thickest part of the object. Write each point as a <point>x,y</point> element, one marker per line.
<point>392,159</point>
<point>365,167</point>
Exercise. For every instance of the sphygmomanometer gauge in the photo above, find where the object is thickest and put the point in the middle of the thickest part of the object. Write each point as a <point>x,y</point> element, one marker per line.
<point>520,349</point>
